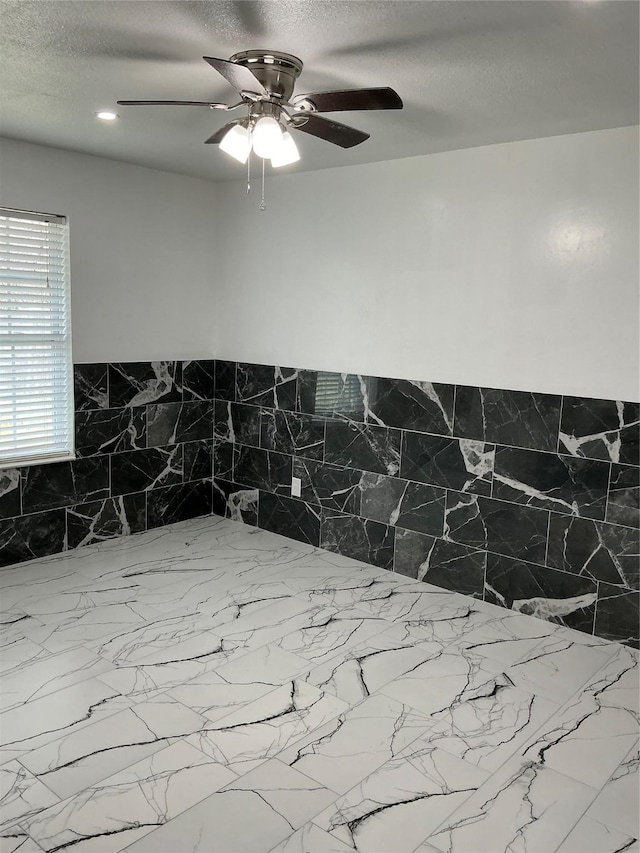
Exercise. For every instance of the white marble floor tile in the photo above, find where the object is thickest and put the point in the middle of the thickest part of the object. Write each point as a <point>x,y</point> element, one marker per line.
<point>251,814</point>
<point>590,735</point>
<point>69,764</point>
<point>523,807</point>
<point>36,579</point>
<point>328,631</point>
<point>17,841</point>
<point>402,802</point>
<point>475,710</point>
<point>144,681</point>
<point>84,627</point>
<point>153,641</point>
<point>30,682</point>
<point>14,630</point>
<point>464,621</point>
<point>294,796</point>
<point>228,822</point>
<point>248,736</point>
<point>21,795</point>
<point>363,669</point>
<point>144,675</point>
<point>392,601</point>
<point>310,839</point>
<point>617,803</point>
<point>270,623</point>
<point>269,664</point>
<point>21,652</point>
<point>235,685</point>
<point>557,667</point>
<point>24,729</point>
<point>350,747</point>
<point>449,676</point>
<point>591,836</point>
<point>111,815</point>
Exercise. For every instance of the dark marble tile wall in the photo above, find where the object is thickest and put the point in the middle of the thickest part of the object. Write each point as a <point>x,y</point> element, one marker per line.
<point>144,446</point>
<point>527,500</point>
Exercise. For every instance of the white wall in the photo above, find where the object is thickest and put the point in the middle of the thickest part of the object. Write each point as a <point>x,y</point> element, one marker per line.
<point>144,266</point>
<point>510,266</point>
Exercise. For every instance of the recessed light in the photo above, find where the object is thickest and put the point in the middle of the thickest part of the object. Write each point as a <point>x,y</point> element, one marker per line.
<point>106,115</point>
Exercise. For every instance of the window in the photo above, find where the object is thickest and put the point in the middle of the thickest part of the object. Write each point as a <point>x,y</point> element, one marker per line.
<point>36,373</point>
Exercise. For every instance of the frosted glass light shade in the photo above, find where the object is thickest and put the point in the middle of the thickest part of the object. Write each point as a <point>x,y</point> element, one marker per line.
<point>237,143</point>
<point>287,153</point>
<point>267,137</point>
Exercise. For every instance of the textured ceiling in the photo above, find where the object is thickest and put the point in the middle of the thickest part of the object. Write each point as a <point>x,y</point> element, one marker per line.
<point>470,73</point>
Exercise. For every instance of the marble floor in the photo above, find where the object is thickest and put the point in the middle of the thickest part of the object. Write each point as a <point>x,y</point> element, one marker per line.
<point>212,687</point>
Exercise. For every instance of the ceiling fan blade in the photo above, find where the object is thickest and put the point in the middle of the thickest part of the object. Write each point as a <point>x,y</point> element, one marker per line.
<point>173,104</point>
<point>217,137</point>
<point>331,131</point>
<point>240,77</point>
<point>382,98</point>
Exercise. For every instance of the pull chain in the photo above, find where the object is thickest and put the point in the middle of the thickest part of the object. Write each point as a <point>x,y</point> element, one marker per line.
<point>249,173</point>
<point>263,204</point>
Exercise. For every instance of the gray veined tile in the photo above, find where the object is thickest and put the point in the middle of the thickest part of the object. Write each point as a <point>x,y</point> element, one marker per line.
<point>452,676</point>
<point>251,814</point>
<point>245,738</point>
<point>591,734</point>
<point>484,718</point>
<point>23,730</point>
<point>486,629</point>
<point>203,648</point>
<point>28,580</point>
<point>269,664</point>
<point>82,758</point>
<point>617,804</point>
<point>557,667</point>
<point>291,794</point>
<point>155,639</point>
<point>395,601</point>
<point>522,807</point>
<point>85,627</point>
<point>15,629</point>
<point>15,840</point>
<point>112,814</point>
<point>310,839</point>
<point>593,836</point>
<point>328,631</point>
<point>361,670</point>
<point>21,795</point>
<point>266,625</point>
<point>402,802</point>
<point>53,673</point>
<point>353,745</point>
<point>140,682</point>
<point>20,653</point>
<point>236,684</point>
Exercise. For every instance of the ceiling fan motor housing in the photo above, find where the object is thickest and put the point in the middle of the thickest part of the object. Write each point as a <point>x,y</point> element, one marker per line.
<point>276,71</point>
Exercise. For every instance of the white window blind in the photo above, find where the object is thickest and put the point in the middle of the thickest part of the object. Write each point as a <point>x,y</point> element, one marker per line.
<point>36,373</point>
<point>339,394</point>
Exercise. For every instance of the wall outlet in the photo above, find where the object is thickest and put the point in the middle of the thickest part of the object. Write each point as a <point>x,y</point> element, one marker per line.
<point>296,487</point>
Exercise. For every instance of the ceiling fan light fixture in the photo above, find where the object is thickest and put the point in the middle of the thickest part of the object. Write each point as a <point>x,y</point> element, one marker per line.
<point>287,153</point>
<point>267,137</point>
<point>237,143</point>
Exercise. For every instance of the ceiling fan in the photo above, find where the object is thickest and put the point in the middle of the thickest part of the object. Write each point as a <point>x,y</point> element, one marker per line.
<point>265,81</point>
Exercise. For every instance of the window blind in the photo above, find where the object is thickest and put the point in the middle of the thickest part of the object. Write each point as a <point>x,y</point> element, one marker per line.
<point>36,373</point>
<point>338,394</point>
